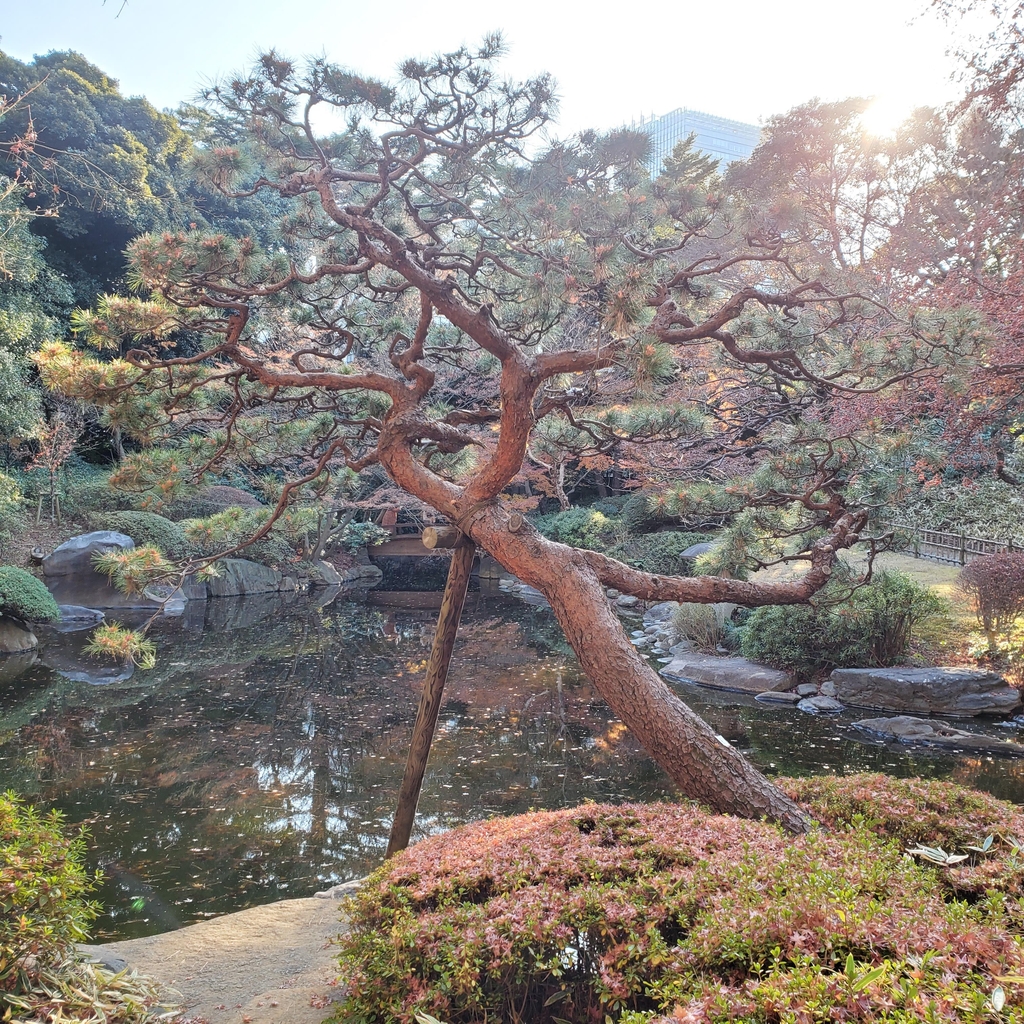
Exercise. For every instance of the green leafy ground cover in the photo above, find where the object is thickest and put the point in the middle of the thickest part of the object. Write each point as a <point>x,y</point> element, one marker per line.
<point>663,912</point>
<point>44,911</point>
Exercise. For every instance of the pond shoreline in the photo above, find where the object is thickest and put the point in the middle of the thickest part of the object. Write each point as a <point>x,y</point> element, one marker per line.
<point>272,964</point>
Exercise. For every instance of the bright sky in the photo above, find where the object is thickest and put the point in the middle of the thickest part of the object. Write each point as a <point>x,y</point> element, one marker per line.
<point>745,59</point>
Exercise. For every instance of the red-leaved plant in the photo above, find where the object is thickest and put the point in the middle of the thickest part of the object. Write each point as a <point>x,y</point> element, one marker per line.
<point>667,912</point>
<point>994,584</point>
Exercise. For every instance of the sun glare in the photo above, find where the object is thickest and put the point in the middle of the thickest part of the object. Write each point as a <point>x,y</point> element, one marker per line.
<point>885,115</point>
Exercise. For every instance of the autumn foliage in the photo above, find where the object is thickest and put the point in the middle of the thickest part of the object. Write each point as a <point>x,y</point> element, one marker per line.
<point>668,912</point>
<point>994,584</point>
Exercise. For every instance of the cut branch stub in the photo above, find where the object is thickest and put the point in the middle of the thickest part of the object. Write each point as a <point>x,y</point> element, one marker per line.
<point>441,537</point>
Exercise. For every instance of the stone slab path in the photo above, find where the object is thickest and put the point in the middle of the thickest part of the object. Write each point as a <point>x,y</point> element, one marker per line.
<point>266,965</point>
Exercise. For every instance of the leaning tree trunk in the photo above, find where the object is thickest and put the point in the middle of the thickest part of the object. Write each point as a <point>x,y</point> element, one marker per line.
<point>704,766</point>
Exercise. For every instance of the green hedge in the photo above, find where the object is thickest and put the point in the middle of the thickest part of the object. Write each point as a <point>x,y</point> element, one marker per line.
<point>24,597</point>
<point>147,529</point>
<point>580,527</point>
<point>658,552</point>
<point>872,627</point>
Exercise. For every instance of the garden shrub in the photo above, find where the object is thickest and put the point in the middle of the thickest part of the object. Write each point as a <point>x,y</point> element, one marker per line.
<point>22,596</point>
<point>670,913</point>
<point>641,515</point>
<point>874,627</point>
<point>658,552</point>
<point>96,496</point>
<point>208,501</point>
<point>702,624</point>
<point>362,535</point>
<point>147,529</point>
<point>44,890</point>
<point>580,527</point>
<point>611,506</point>
<point>223,530</point>
<point>994,585</point>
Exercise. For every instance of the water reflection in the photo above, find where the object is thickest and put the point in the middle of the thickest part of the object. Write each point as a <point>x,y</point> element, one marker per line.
<point>261,757</point>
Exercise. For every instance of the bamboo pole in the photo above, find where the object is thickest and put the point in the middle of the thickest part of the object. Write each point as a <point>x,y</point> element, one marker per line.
<point>433,688</point>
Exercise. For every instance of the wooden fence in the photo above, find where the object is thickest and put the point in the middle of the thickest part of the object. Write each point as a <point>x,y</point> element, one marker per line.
<point>955,548</point>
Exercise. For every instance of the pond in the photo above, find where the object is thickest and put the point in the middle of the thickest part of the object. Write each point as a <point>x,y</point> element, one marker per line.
<point>261,758</point>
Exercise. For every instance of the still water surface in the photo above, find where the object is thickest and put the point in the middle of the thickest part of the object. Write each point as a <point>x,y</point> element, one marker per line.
<point>261,758</point>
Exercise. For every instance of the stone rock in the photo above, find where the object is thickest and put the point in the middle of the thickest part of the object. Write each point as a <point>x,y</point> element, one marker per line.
<point>371,574</point>
<point>171,600</point>
<point>696,550</point>
<point>114,964</point>
<point>778,697</point>
<point>532,596</point>
<point>76,617</point>
<point>340,891</point>
<point>75,556</point>
<point>612,593</point>
<point>16,638</point>
<point>240,576</point>
<point>724,673</point>
<point>917,731</point>
<point>652,630</point>
<point>660,612</point>
<point>627,601</point>
<point>640,641</point>
<point>827,688</point>
<point>932,691</point>
<point>818,705</point>
<point>330,575</point>
<point>807,690</point>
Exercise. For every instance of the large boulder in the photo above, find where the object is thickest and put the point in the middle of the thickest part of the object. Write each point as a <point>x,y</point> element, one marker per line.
<point>918,732</point>
<point>74,557</point>
<point>958,692</point>
<point>240,576</point>
<point>725,673</point>
<point>16,638</point>
<point>75,617</point>
<point>660,612</point>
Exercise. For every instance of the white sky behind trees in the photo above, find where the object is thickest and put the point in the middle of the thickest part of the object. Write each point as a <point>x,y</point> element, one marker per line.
<point>745,59</point>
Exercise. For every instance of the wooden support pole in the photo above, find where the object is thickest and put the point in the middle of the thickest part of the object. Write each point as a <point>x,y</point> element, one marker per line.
<point>433,689</point>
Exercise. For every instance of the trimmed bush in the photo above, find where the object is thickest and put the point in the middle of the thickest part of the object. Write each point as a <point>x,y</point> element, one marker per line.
<point>875,627</point>
<point>580,527</point>
<point>147,529</point>
<point>639,515</point>
<point>44,890</point>
<point>22,596</point>
<point>658,552</point>
<point>994,585</point>
<point>669,913</point>
<point>94,494</point>
<point>224,530</point>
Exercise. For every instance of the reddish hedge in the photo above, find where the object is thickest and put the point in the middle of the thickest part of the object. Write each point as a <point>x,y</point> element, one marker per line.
<point>639,911</point>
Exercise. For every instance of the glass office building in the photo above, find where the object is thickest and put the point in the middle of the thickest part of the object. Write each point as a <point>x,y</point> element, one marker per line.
<point>727,140</point>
